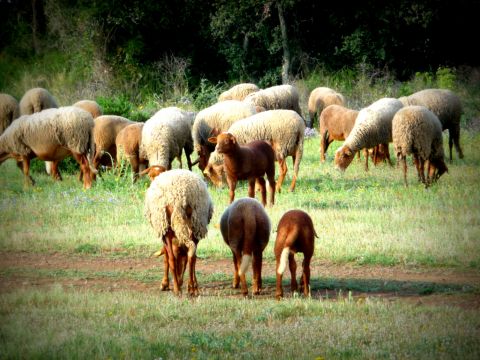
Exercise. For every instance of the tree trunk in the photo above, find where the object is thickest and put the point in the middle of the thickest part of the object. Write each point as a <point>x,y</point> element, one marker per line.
<point>286,50</point>
<point>34,27</point>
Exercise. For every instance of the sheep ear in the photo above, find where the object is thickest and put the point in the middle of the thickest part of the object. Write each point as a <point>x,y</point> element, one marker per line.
<point>212,139</point>
<point>348,152</point>
<point>215,132</point>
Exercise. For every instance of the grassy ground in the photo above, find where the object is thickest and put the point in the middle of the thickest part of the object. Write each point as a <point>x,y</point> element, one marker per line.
<point>363,219</point>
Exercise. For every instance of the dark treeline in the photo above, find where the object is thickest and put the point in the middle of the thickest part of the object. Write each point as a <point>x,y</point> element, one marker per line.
<point>248,39</point>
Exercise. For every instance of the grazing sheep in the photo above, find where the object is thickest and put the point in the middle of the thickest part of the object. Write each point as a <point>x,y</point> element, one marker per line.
<point>50,135</point>
<point>128,147</point>
<point>164,136</point>
<point>336,123</point>
<point>179,209</point>
<point>319,99</point>
<point>9,111</point>
<point>214,120</point>
<point>295,233</point>
<point>245,228</point>
<point>372,127</point>
<point>248,162</point>
<point>91,106</point>
<point>105,133</point>
<point>276,97</point>
<point>418,131</point>
<point>283,129</point>
<point>448,108</point>
<point>214,169</point>
<point>238,92</point>
<point>36,100</point>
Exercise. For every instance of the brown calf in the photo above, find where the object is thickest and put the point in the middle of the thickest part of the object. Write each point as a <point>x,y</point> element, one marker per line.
<point>245,228</point>
<point>295,233</point>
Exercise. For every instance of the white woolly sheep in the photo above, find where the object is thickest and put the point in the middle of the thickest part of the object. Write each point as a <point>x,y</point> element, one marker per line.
<point>9,110</point>
<point>238,92</point>
<point>35,100</point>
<point>448,108</point>
<point>372,127</point>
<point>164,136</point>
<point>91,106</point>
<point>179,209</point>
<point>50,135</point>
<point>128,147</point>
<point>336,123</point>
<point>276,97</point>
<point>105,133</point>
<point>418,131</point>
<point>319,99</point>
<point>283,129</point>
<point>245,228</point>
<point>212,121</point>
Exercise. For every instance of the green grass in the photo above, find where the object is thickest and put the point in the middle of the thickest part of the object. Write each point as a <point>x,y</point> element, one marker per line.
<point>360,217</point>
<point>84,324</point>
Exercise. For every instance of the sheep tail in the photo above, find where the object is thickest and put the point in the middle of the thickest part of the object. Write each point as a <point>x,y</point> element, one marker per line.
<point>246,260</point>
<point>283,260</point>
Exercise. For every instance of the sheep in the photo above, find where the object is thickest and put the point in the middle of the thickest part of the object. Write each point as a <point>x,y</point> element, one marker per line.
<point>249,162</point>
<point>336,122</point>
<point>105,133</point>
<point>295,233</point>
<point>50,135</point>
<point>448,108</point>
<point>238,92</point>
<point>179,209</point>
<point>212,121</point>
<point>35,100</point>
<point>276,97</point>
<point>245,228</point>
<point>91,106</point>
<point>319,99</point>
<point>372,127</point>
<point>283,129</point>
<point>9,111</point>
<point>164,136</point>
<point>418,131</point>
<point>128,147</point>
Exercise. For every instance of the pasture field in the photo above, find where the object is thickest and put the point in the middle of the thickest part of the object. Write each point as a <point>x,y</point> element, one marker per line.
<point>396,271</point>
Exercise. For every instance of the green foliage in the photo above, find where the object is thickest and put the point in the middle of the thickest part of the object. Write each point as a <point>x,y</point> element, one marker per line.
<point>446,78</point>
<point>117,105</point>
<point>206,94</point>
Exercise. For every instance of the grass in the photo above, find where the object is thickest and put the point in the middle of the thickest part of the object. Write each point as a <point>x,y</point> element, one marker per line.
<point>360,217</point>
<point>82,324</point>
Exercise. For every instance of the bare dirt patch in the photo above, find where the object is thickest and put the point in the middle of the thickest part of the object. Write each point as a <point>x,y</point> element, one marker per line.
<point>422,286</point>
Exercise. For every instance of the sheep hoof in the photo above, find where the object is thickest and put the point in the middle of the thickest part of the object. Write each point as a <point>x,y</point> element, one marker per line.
<point>165,286</point>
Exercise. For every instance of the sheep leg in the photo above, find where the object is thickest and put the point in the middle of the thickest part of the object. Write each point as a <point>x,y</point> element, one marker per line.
<point>454,134</point>
<point>85,169</point>
<point>54,171</point>
<point>403,160</point>
<point>192,283</point>
<point>28,180</point>
<point>296,166</point>
<point>168,239</point>
<point>307,257</point>
<point>283,172</point>
<point>293,271</point>
<point>279,287</point>
<point>271,184</point>
<point>365,153</point>
<point>165,281</point>
<point>263,190</point>
<point>236,277</point>
<point>251,187</point>
<point>257,272</point>
<point>243,279</point>
<point>387,155</point>
<point>189,161</point>
<point>232,184</point>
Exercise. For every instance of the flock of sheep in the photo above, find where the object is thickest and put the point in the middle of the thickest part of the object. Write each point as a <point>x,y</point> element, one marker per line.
<point>238,138</point>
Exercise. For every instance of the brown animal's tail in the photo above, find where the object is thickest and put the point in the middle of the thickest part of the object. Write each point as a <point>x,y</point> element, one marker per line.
<point>283,260</point>
<point>246,260</point>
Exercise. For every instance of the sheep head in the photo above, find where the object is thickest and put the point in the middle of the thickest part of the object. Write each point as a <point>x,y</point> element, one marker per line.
<point>153,171</point>
<point>226,143</point>
<point>343,157</point>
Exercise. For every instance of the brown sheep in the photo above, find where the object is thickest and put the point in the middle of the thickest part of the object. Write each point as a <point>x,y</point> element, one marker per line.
<point>319,99</point>
<point>336,122</point>
<point>245,228</point>
<point>128,147</point>
<point>295,233</point>
<point>247,162</point>
<point>91,106</point>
